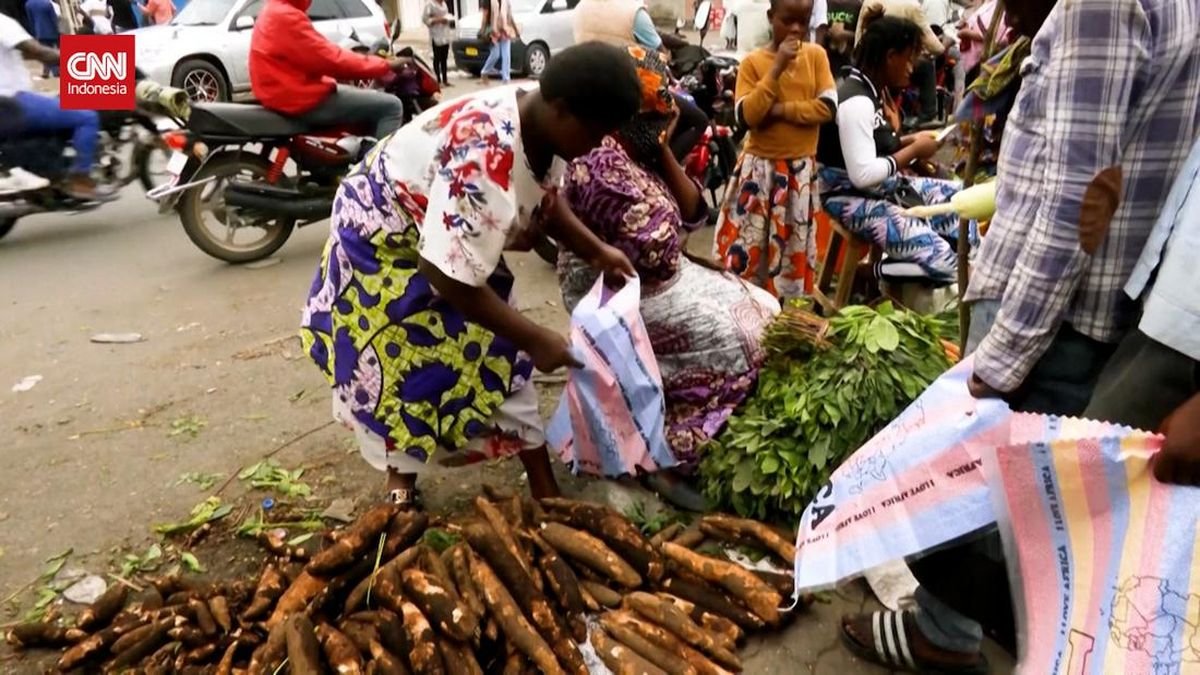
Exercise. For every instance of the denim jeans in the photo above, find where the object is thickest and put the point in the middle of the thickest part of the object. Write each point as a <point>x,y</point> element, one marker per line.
<point>964,586</point>
<point>353,106</point>
<point>502,52</point>
<point>42,114</point>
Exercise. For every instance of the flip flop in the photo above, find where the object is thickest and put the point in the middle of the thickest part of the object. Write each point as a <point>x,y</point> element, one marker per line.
<point>890,648</point>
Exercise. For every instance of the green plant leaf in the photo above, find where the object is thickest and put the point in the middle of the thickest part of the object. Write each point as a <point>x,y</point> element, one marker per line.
<point>743,476</point>
<point>191,563</point>
<point>770,464</point>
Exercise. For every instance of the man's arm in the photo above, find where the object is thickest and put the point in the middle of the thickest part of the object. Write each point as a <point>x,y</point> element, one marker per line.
<point>313,53</point>
<point>36,51</point>
<point>1089,77</point>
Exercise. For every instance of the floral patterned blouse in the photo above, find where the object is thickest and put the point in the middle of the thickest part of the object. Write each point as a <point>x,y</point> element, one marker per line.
<point>453,188</point>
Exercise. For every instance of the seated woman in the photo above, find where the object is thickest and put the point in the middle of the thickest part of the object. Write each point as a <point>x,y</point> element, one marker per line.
<point>862,157</point>
<point>704,324</point>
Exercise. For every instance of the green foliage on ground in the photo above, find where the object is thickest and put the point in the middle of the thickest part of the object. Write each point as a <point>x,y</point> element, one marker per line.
<point>815,404</point>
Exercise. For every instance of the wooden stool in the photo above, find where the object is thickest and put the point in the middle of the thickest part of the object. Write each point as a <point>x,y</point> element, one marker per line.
<point>856,248</point>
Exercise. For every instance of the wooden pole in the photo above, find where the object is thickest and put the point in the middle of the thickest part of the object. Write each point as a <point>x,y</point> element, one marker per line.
<point>974,150</point>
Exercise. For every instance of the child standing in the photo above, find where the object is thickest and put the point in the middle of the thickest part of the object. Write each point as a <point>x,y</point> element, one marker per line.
<point>785,92</point>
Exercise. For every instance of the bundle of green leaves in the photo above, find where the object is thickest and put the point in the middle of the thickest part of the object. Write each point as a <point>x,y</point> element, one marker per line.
<point>818,401</point>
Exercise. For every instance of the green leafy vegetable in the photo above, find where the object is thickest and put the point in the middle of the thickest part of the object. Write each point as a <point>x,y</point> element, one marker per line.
<point>187,426</point>
<point>191,563</point>
<point>822,393</point>
<point>651,525</point>
<point>204,481</point>
<point>439,540</point>
<point>269,475</point>
<point>147,562</point>
<point>205,512</point>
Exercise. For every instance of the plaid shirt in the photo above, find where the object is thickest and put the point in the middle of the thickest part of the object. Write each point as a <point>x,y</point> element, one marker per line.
<point>1108,83</point>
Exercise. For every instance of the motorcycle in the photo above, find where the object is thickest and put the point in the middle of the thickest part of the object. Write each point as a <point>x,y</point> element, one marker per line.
<point>231,162</point>
<point>128,146</point>
<point>711,87</point>
<point>417,87</point>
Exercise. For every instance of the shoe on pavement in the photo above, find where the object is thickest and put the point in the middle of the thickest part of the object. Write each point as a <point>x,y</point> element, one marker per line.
<point>85,189</point>
<point>20,180</point>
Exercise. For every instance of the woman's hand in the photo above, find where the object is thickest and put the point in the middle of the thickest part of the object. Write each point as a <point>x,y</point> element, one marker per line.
<point>613,263</point>
<point>664,141</point>
<point>923,146</point>
<point>551,351</point>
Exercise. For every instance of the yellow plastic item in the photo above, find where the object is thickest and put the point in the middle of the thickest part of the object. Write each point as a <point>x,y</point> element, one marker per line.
<point>975,203</point>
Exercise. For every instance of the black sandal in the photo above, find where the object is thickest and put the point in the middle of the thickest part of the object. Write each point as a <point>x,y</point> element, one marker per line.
<point>890,648</point>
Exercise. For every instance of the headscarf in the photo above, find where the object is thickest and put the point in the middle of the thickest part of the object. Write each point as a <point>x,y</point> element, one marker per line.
<point>642,135</point>
<point>994,90</point>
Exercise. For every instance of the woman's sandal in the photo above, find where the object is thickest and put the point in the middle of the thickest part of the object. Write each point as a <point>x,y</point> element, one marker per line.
<point>408,499</point>
<point>890,648</point>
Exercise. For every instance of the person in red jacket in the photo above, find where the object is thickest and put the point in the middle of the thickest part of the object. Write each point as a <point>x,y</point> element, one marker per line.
<point>294,71</point>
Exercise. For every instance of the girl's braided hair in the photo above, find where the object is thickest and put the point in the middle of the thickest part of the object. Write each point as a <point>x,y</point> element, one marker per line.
<point>883,34</point>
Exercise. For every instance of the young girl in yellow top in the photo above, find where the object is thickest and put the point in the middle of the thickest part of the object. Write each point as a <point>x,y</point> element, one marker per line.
<point>785,92</point>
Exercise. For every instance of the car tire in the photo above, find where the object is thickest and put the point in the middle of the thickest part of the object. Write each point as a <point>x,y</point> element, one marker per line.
<point>537,55</point>
<point>203,81</point>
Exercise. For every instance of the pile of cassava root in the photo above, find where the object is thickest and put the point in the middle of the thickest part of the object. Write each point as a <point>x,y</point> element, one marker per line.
<point>524,586</point>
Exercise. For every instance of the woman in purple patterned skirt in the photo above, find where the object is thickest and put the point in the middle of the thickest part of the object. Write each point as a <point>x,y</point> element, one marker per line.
<point>704,323</point>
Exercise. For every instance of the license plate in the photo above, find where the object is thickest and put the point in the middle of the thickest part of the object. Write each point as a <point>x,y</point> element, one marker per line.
<point>472,51</point>
<point>176,163</point>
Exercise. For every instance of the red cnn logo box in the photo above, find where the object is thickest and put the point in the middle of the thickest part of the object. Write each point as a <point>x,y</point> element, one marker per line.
<point>97,72</point>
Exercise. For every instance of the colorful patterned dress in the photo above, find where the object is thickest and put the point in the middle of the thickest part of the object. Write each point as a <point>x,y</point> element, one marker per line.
<point>410,374</point>
<point>704,325</point>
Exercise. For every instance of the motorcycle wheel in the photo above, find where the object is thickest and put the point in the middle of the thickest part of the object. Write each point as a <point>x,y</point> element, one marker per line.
<point>6,226</point>
<point>143,155</point>
<point>547,249</point>
<point>193,206</point>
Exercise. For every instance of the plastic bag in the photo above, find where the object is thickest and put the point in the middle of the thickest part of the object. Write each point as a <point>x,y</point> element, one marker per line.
<point>610,420</point>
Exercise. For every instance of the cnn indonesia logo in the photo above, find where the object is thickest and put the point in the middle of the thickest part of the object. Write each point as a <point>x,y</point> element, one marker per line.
<point>97,72</point>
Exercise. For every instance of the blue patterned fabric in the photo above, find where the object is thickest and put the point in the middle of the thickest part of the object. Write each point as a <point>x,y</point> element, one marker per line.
<point>926,242</point>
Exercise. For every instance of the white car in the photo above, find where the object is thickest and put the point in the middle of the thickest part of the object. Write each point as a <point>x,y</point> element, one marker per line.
<point>546,28</point>
<point>205,50</point>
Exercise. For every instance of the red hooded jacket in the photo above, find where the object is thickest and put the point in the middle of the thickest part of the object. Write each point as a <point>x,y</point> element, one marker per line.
<point>293,67</point>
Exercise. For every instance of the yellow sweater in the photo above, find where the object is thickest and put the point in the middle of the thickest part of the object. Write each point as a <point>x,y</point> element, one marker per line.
<point>806,92</point>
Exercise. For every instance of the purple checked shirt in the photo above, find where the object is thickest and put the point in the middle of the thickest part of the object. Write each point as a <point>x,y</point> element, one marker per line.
<point>1108,83</point>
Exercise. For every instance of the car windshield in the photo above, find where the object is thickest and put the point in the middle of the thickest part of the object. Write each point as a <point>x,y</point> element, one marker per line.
<point>203,13</point>
<point>521,6</point>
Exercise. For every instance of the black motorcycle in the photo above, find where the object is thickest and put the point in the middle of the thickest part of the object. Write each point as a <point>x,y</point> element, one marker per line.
<point>417,87</point>
<point>130,145</point>
<point>243,177</point>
